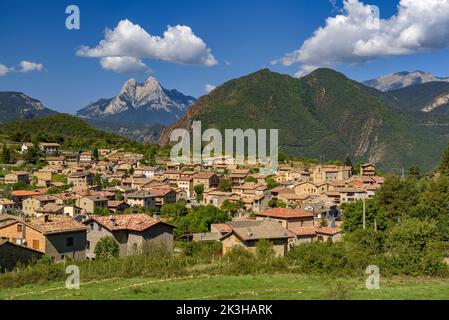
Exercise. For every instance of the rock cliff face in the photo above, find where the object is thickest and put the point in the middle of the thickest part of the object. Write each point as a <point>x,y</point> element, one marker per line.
<point>144,104</point>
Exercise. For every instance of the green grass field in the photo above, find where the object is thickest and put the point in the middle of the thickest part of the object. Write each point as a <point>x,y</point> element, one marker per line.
<point>290,287</point>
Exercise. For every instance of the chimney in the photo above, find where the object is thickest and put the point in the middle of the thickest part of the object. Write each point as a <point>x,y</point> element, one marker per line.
<point>113,220</point>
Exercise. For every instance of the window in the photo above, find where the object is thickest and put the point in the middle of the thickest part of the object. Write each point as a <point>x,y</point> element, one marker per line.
<point>87,245</point>
<point>35,244</point>
<point>69,242</point>
<point>91,226</point>
<point>19,228</point>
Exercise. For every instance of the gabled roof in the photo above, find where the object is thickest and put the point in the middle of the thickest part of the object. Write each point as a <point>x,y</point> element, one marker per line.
<point>303,231</point>
<point>328,231</point>
<point>285,213</point>
<point>55,225</point>
<point>25,193</point>
<point>257,230</point>
<point>130,222</point>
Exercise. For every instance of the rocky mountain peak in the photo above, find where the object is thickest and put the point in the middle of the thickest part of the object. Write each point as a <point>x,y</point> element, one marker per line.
<point>140,98</point>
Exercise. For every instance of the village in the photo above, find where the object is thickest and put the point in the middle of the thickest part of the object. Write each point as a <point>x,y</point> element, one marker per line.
<point>63,209</point>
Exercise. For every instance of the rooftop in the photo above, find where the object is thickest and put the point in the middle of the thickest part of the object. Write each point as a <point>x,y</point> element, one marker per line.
<point>285,213</point>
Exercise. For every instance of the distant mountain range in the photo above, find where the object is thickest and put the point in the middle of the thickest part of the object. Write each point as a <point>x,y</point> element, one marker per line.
<point>17,106</point>
<point>322,114</point>
<point>143,104</point>
<point>401,80</point>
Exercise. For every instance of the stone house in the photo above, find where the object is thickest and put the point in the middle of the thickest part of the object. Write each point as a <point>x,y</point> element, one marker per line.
<point>18,176</point>
<point>11,254</point>
<point>59,237</point>
<point>80,179</point>
<point>140,199</point>
<point>186,184</point>
<point>207,179</point>
<point>88,204</point>
<point>288,218</point>
<point>6,206</point>
<point>31,205</point>
<point>247,233</point>
<point>134,233</point>
<point>49,148</point>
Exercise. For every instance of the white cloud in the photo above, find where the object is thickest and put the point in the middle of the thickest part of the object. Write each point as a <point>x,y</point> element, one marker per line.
<point>122,64</point>
<point>3,70</point>
<point>128,40</point>
<point>28,66</point>
<point>209,87</point>
<point>355,36</point>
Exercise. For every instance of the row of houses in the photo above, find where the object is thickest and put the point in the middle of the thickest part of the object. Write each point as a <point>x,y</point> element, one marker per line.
<point>62,237</point>
<point>283,227</point>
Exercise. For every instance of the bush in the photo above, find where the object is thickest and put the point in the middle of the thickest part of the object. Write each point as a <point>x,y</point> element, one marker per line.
<point>202,249</point>
<point>107,248</point>
<point>264,250</point>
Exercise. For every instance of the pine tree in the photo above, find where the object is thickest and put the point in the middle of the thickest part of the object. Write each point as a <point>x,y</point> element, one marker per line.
<point>444,166</point>
<point>6,156</point>
<point>348,163</point>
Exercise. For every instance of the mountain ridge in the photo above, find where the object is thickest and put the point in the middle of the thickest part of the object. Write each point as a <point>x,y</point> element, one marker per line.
<point>403,79</point>
<point>146,103</point>
<point>324,113</point>
<point>16,105</point>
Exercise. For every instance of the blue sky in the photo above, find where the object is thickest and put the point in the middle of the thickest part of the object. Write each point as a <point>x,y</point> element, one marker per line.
<point>243,36</point>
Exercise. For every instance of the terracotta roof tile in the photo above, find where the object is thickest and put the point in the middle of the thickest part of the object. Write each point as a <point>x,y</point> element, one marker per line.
<point>132,222</point>
<point>285,213</point>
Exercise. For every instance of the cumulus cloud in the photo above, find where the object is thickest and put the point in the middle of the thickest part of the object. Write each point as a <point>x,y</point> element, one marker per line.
<point>131,43</point>
<point>122,64</point>
<point>209,87</point>
<point>28,66</point>
<point>3,70</point>
<point>357,35</point>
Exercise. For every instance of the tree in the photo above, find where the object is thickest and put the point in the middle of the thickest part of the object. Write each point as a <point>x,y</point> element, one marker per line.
<point>271,183</point>
<point>199,190</point>
<point>174,210</point>
<point>225,185</point>
<point>411,248</point>
<point>414,171</point>
<point>348,163</point>
<point>231,207</point>
<point>7,155</point>
<point>32,155</point>
<point>353,216</point>
<point>95,154</point>
<point>282,157</point>
<point>264,249</point>
<point>102,212</point>
<point>398,197</point>
<point>250,179</point>
<point>444,166</point>
<point>106,248</point>
<point>276,203</point>
<point>199,220</point>
<point>119,196</point>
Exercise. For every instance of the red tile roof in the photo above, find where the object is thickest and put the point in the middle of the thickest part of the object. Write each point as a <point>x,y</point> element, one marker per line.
<point>303,231</point>
<point>132,222</point>
<point>328,230</point>
<point>56,224</point>
<point>285,213</point>
<point>25,193</point>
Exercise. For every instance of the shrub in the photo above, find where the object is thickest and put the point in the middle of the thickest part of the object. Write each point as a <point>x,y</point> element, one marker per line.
<point>106,248</point>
